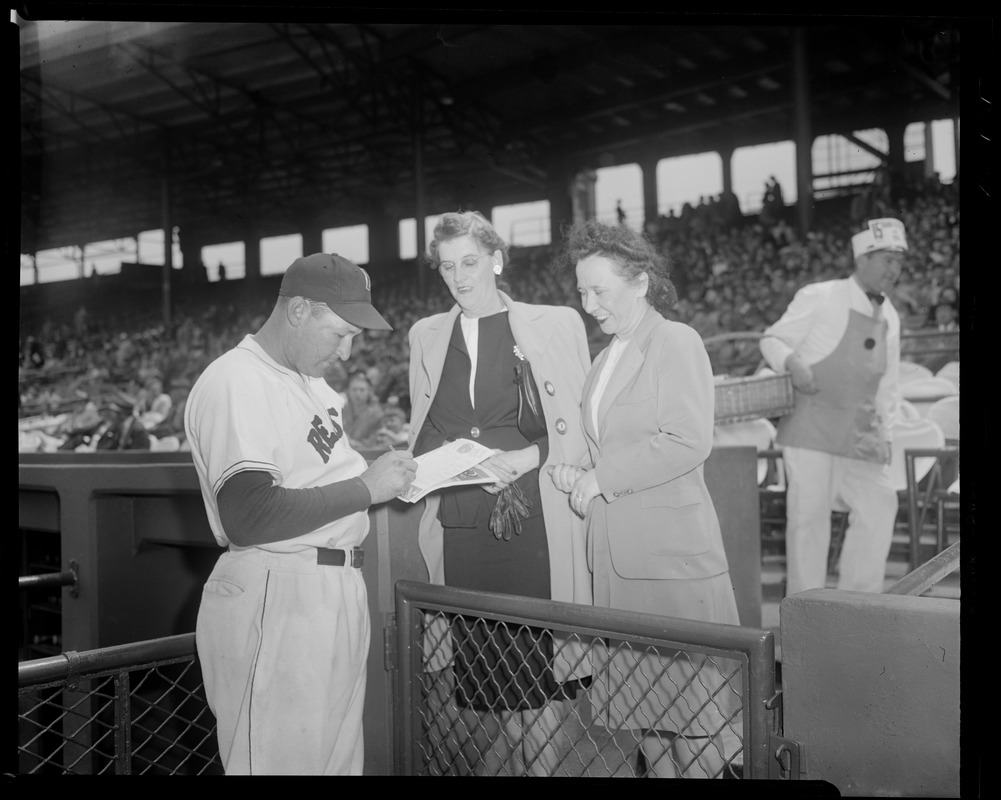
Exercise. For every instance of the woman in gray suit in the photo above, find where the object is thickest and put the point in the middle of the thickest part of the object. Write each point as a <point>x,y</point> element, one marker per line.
<point>654,541</point>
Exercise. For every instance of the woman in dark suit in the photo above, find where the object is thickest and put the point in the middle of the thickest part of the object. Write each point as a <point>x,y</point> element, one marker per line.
<point>462,369</point>
<point>654,540</point>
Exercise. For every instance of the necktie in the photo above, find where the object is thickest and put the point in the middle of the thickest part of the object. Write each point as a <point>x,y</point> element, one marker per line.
<point>876,298</point>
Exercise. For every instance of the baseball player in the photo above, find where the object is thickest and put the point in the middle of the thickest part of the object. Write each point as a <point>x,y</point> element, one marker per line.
<point>840,340</point>
<point>283,626</point>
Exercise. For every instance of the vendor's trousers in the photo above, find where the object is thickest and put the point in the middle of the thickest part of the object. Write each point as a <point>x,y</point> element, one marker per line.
<point>283,644</point>
<point>818,483</point>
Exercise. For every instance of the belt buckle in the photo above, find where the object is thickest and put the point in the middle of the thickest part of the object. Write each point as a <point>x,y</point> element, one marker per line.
<point>357,557</point>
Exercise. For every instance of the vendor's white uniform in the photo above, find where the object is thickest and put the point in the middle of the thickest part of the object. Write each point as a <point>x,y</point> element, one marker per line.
<point>835,443</point>
<point>283,642</point>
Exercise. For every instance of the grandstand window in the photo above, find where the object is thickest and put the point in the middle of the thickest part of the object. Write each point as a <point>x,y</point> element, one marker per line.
<point>620,183</point>
<point>684,179</point>
<point>751,167</point>
<point>107,256</point>
<point>278,252</point>
<point>408,235</point>
<point>57,264</point>
<point>63,263</point>
<point>523,224</point>
<point>27,270</point>
<point>232,255</point>
<point>943,146</point>
<point>150,248</point>
<point>839,162</point>
<point>350,241</point>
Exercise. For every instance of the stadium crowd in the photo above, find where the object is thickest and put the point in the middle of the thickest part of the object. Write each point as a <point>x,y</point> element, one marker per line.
<point>91,383</point>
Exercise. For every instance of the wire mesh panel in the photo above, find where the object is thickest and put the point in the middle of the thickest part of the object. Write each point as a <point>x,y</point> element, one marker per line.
<point>146,718</point>
<point>499,685</point>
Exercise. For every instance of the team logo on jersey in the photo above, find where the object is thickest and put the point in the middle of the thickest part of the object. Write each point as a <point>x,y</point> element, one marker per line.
<point>323,441</point>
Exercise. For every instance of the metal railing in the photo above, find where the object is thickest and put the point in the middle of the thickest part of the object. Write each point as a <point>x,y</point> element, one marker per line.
<point>133,709</point>
<point>51,580</point>
<point>920,580</point>
<point>473,679</point>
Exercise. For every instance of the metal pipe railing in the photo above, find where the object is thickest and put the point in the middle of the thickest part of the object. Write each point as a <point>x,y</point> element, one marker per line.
<point>52,580</point>
<point>48,580</point>
<point>928,574</point>
<point>65,665</point>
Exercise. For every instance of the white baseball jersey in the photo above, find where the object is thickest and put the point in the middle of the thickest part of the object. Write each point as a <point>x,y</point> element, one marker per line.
<point>247,412</point>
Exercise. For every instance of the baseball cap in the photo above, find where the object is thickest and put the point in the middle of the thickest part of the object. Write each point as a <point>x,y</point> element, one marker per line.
<point>345,287</point>
<point>882,234</point>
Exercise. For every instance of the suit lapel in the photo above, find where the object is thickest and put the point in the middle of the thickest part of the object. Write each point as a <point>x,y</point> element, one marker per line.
<point>532,339</point>
<point>435,348</point>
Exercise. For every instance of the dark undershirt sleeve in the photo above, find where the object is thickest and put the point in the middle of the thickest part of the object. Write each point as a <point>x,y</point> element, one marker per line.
<point>255,511</point>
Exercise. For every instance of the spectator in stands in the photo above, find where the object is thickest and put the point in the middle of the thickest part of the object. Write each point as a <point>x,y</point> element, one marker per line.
<point>362,413</point>
<point>840,341</point>
<point>124,430</point>
<point>153,404</point>
<point>81,428</point>
<point>654,537</point>
<point>395,430</point>
<point>173,423</point>
<point>946,317</point>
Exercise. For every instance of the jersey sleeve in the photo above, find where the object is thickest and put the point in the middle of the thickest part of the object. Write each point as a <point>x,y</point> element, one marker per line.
<point>231,423</point>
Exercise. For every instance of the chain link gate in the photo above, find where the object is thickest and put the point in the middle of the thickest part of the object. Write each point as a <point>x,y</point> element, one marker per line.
<point>491,684</point>
<point>133,709</point>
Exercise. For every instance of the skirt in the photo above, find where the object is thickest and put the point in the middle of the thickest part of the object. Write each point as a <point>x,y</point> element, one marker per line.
<point>647,689</point>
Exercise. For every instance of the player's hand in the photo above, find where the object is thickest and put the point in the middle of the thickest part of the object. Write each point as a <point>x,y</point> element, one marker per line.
<point>802,376</point>
<point>390,475</point>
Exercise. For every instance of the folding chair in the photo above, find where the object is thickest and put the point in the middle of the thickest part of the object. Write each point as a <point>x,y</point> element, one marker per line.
<point>932,501</point>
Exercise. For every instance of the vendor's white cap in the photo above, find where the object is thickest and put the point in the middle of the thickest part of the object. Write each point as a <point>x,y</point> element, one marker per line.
<point>882,234</point>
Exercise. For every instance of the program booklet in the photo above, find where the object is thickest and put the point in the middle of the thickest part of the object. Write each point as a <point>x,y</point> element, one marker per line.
<point>452,464</point>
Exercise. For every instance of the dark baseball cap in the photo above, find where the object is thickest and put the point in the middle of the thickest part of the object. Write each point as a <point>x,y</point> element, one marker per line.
<point>345,287</point>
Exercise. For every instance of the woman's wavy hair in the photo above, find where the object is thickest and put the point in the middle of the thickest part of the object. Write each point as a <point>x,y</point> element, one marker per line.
<point>454,224</point>
<point>630,252</point>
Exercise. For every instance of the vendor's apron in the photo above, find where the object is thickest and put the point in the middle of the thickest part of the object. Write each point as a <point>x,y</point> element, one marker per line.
<point>841,418</point>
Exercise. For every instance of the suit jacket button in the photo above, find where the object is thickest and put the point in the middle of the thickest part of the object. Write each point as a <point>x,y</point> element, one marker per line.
<point>549,387</point>
<point>561,425</point>
<point>474,432</point>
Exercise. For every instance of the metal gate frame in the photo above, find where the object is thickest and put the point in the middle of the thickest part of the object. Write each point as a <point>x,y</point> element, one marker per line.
<point>766,754</point>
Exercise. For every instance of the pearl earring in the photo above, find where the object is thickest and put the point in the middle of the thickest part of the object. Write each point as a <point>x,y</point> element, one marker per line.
<point>497,269</point>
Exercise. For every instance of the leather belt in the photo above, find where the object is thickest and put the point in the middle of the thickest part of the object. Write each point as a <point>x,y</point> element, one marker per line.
<point>329,557</point>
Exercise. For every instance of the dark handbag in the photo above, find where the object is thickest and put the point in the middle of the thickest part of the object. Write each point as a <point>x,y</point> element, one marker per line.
<point>531,417</point>
<point>512,505</point>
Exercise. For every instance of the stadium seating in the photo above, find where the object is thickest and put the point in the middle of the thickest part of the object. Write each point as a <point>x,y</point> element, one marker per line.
<point>950,372</point>
<point>759,433</point>
<point>945,413</point>
<point>911,371</point>
<point>924,392</point>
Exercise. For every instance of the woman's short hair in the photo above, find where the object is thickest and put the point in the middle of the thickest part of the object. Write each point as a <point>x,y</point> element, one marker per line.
<point>630,252</point>
<point>454,224</point>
